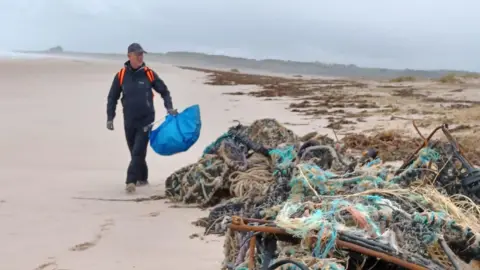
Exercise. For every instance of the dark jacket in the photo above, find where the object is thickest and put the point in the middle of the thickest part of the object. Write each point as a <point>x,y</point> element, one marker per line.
<point>136,96</point>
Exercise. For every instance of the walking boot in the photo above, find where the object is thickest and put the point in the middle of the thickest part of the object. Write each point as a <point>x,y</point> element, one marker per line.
<point>130,188</point>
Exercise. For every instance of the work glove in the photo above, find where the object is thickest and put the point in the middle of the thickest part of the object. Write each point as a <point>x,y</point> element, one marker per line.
<point>172,112</point>
<point>110,125</point>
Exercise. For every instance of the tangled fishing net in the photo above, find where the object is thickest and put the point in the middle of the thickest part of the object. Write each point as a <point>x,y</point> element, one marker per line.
<point>322,200</point>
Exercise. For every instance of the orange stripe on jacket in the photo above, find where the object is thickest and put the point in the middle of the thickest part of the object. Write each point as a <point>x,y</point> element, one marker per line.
<point>149,72</point>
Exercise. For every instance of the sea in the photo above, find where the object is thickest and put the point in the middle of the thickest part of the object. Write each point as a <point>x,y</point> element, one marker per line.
<point>19,55</point>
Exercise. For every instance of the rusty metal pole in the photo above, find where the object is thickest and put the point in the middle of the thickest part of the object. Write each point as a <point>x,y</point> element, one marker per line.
<point>455,143</point>
<point>339,243</point>
<point>376,254</point>
<point>425,143</point>
<point>251,255</point>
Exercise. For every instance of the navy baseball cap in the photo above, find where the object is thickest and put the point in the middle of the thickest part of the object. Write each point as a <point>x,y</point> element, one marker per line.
<point>135,48</point>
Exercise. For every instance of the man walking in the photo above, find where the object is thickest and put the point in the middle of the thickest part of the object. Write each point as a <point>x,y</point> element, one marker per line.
<point>134,84</point>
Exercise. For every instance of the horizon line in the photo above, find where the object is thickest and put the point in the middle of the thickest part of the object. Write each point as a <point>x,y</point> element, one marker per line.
<point>47,51</point>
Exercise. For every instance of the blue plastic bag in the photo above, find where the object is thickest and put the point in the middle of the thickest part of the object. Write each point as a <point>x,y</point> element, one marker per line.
<point>177,133</point>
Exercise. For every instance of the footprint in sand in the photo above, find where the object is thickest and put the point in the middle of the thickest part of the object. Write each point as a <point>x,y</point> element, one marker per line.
<point>86,245</point>
<point>51,265</point>
<point>154,214</point>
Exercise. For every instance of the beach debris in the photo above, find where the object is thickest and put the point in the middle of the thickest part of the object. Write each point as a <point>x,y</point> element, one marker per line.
<point>313,202</point>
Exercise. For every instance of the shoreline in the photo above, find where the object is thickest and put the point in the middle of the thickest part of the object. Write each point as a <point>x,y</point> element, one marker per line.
<point>280,67</point>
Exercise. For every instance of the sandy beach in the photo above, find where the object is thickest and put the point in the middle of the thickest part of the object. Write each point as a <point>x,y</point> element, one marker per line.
<point>56,150</point>
<point>55,147</point>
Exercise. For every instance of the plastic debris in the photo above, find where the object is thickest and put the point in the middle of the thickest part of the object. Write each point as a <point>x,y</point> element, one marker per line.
<point>337,209</point>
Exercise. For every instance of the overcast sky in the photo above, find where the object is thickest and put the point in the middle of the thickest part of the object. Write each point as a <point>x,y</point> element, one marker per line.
<point>429,34</point>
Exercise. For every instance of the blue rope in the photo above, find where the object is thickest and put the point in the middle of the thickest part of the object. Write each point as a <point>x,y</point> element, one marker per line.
<point>284,158</point>
<point>373,162</point>
<point>215,144</point>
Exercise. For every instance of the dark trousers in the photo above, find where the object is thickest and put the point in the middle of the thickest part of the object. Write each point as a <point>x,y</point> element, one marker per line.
<point>137,140</point>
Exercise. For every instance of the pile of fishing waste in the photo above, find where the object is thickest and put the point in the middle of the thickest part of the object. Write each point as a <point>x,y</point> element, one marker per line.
<point>332,207</point>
